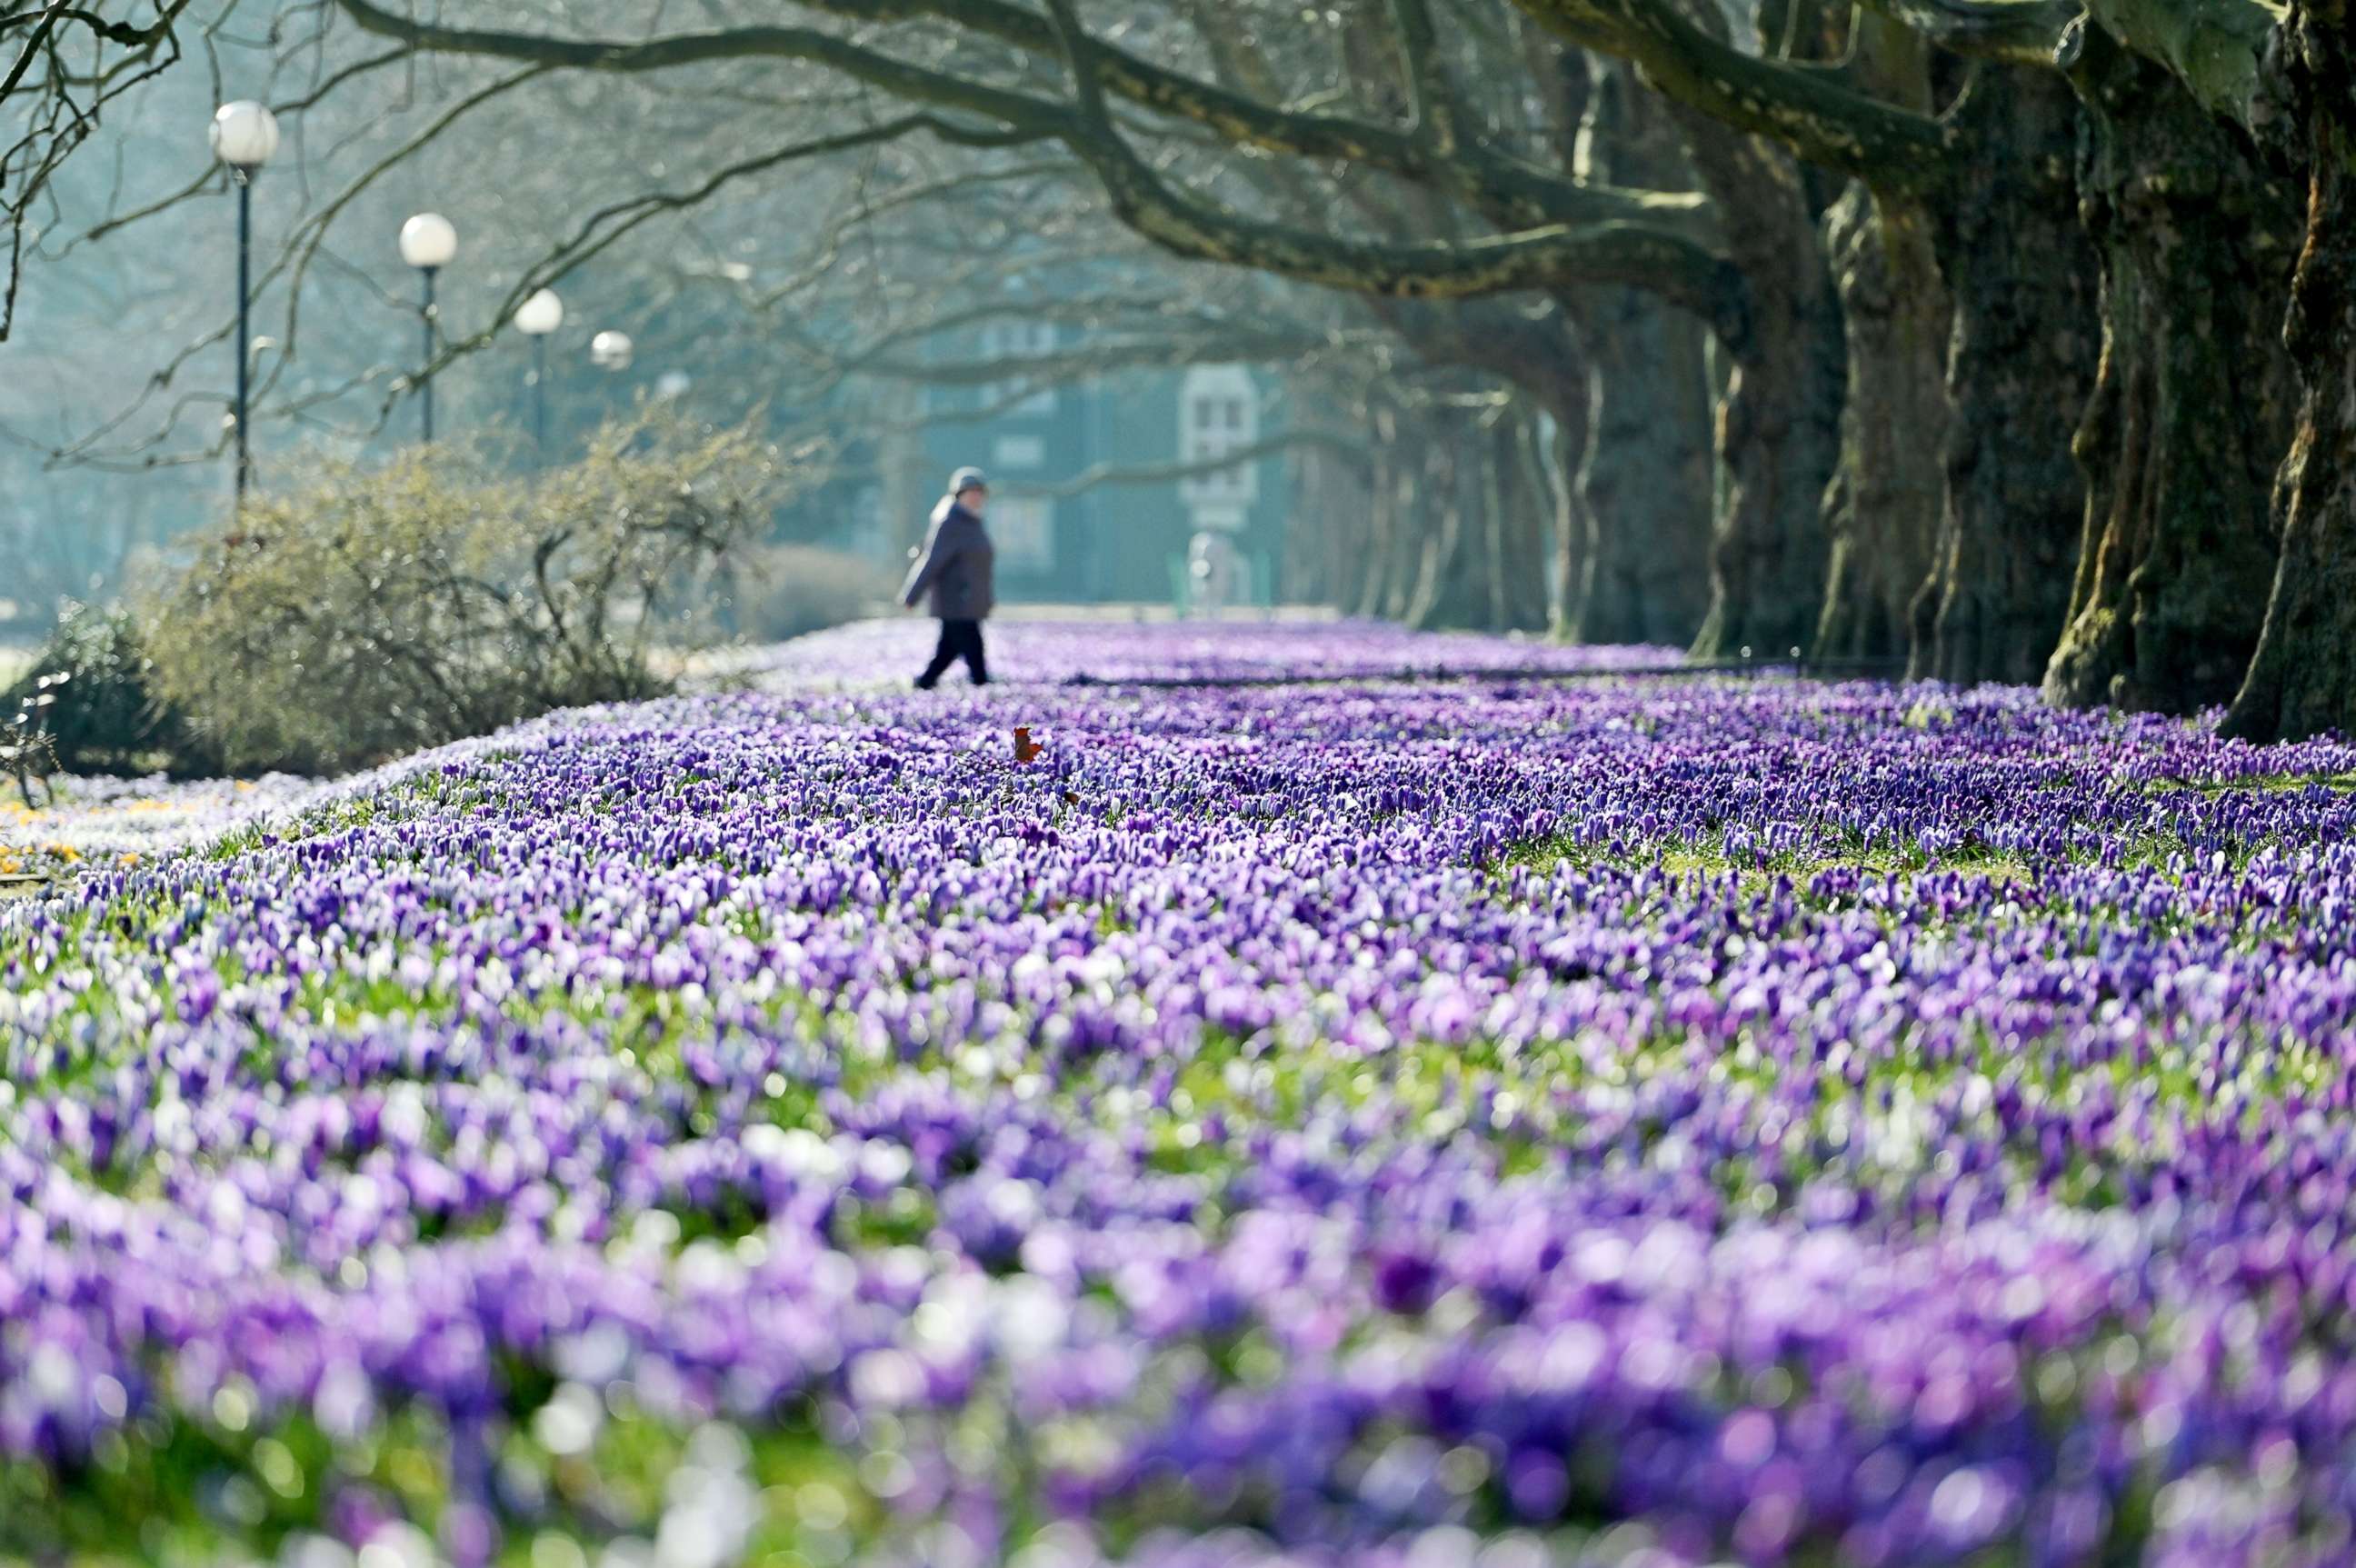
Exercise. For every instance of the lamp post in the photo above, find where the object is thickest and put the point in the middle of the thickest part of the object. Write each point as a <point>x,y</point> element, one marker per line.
<point>536,317</point>
<point>427,243</point>
<point>244,135</point>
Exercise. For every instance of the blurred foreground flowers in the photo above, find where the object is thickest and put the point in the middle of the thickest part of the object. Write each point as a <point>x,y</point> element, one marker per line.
<point>1636,1123</point>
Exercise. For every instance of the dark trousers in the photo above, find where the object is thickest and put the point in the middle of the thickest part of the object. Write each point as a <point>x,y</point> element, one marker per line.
<point>960,639</point>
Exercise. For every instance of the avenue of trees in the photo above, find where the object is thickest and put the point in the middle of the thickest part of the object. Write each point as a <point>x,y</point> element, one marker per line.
<point>2002,339</point>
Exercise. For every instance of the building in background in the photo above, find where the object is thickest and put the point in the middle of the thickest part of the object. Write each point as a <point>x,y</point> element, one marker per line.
<point>1087,502</point>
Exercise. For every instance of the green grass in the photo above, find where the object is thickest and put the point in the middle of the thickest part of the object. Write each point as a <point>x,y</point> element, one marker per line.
<point>1696,860</point>
<point>2255,784</point>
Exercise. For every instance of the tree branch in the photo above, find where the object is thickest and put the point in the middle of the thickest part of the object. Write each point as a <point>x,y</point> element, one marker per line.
<point>1509,189</point>
<point>42,26</point>
<point>1535,258</point>
<point>1556,254</point>
<point>2019,32</point>
<point>1891,149</point>
<point>1427,80</point>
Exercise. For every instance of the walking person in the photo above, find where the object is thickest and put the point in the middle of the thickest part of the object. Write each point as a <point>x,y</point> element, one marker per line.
<point>954,569</point>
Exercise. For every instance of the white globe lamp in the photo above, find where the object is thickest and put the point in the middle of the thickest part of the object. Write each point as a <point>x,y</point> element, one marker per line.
<point>244,135</point>
<point>427,242</point>
<point>541,315</point>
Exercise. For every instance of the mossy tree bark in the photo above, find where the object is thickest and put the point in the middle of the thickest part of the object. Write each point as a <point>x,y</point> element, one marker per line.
<point>2302,681</point>
<point>2191,409</point>
<point>2021,360</point>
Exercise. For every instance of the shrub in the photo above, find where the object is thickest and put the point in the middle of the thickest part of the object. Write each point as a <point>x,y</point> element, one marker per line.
<point>787,590</point>
<point>91,690</point>
<point>380,610</point>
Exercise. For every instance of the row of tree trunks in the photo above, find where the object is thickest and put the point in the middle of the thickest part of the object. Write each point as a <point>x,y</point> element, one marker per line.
<point>2020,365</point>
<point>2302,680</point>
<point>1485,533</point>
<point>2192,406</point>
<point>1452,523</point>
<point>2007,502</point>
<point>2013,495</point>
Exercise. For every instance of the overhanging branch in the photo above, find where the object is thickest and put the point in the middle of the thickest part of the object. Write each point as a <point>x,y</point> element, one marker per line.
<point>1891,149</point>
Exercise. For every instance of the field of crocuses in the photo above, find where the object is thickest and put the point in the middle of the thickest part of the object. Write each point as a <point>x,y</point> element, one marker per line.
<point>1426,1125</point>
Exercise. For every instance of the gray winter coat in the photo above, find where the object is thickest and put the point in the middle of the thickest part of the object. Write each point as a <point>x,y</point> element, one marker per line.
<point>955,568</point>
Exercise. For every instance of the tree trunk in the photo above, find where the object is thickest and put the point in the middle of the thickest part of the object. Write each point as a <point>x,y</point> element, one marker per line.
<point>1325,538</point>
<point>1644,477</point>
<point>2303,679</point>
<point>1328,534</point>
<point>1448,588</point>
<point>1408,519</point>
<point>1375,573</point>
<point>1779,443</point>
<point>1526,515</point>
<point>2192,410</point>
<point>1778,424</point>
<point>1883,509</point>
<point>1644,481</point>
<point>1557,448</point>
<point>1557,502</point>
<point>2021,368</point>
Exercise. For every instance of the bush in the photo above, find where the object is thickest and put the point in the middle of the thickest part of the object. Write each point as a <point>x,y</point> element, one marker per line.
<point>787,590</point>
<point>91,689</point>
<point>382,610</point>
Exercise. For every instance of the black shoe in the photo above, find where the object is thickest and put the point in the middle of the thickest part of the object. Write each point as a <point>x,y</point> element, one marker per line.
<point>924,685</point>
